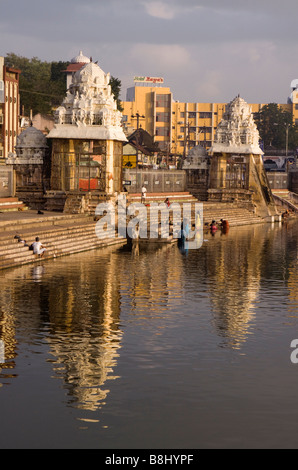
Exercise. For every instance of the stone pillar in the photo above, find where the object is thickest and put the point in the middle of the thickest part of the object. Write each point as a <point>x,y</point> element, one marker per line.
<point>110,167</point>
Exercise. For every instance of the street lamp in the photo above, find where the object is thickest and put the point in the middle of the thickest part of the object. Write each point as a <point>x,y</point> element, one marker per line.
<point>287,138</point>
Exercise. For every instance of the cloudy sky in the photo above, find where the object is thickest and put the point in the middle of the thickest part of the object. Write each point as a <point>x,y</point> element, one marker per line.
<point>206,50</point>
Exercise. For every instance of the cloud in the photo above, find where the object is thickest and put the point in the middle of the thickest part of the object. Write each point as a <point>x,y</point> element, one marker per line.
<point>159,10</point>
<point>159,57</point>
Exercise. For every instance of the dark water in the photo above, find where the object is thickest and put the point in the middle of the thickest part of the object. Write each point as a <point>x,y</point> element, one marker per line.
<point>154,348</point>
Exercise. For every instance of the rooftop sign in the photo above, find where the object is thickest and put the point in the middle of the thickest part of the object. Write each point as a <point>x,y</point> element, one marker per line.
<point>148,79</point>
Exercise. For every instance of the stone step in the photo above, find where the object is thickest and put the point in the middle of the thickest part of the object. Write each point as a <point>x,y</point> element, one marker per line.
<point>55,242</point>
<point>53,253</point>
<point>10,207</point>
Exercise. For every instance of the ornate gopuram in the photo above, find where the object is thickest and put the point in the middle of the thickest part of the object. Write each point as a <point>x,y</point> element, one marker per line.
<point>237,173</point>
<point>87,142</point>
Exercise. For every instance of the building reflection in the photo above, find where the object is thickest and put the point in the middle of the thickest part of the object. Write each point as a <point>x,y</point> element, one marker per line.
<point>77,310</point>
<point>74,304</point>
<point>235,268</point>
<point>85,337</point>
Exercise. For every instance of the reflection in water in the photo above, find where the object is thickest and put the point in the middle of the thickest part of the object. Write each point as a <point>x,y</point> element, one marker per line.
<point>84,313</point>
<point>235,270</point>
<point>76,304</point>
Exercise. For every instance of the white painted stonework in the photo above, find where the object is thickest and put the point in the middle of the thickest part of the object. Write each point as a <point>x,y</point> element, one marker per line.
<point>30,148</point>
<point>237,131</point>
<point>196,159</point>
<point>89,110</point>
<point>80,59</point>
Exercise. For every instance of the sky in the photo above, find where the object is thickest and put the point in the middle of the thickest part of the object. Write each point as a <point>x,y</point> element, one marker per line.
<point>206,50</point>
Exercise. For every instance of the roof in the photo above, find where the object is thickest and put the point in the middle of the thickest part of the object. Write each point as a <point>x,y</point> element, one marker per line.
<point>81,58</point>
<point>74,67</point>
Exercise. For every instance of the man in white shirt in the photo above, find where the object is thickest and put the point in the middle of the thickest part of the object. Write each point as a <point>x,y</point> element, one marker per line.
<point>144,191</point>
<point>38,248</point>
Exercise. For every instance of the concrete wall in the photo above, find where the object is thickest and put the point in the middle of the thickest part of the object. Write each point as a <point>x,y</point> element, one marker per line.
<point>156,181</point>
<point>278,179</point>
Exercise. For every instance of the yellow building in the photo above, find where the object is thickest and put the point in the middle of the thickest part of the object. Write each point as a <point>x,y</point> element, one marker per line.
<point>293,99</point>
<point>177,127</point>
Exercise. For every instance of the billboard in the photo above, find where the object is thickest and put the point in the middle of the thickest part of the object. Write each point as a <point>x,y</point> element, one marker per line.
<point>148,80</point>
<point>129,161</point>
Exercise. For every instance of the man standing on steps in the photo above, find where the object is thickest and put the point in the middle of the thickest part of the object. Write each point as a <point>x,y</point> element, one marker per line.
<point>38,248</point>
<point>144,191</point>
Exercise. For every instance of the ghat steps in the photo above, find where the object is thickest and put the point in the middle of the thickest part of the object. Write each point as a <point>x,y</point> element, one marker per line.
<point>59,241</point>
<point>286,199</point>
<point>235,214</point>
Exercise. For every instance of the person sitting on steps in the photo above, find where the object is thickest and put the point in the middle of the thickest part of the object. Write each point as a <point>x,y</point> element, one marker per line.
<point>38,248</point>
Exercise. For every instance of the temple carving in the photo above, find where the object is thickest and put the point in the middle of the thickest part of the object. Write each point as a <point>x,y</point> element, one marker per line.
<point>237,172</point>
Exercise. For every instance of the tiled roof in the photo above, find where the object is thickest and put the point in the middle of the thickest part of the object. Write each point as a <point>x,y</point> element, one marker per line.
<point>74,67</point>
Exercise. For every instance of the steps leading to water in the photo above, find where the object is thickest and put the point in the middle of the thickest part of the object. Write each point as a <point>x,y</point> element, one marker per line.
<point>65,234</point>
<point>236,215</point>
<point>59,241</point>
<point>286,199</point>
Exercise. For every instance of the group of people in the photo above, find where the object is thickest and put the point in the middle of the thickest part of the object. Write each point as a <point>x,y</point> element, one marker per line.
<point>223,225</point>
<point>37,247</point>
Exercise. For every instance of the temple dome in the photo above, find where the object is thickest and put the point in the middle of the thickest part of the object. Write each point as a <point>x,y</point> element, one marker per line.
<point>92,73</point>
<point>80,59</point>
<point>31,138</point>
<point>196,159</point>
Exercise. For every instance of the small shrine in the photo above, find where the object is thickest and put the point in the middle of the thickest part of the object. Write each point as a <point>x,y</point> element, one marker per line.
<point>87,138</point>
<point>30,163</point>
<point>196,166</point>
<point>237,173</point>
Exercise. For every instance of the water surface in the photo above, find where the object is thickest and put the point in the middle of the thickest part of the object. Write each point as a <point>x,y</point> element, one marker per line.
<point>154,348</point>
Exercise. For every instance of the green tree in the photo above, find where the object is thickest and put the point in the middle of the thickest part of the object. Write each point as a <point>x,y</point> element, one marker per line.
<point>276,127</point>
<point>116,90</point>
<point>42,84</point>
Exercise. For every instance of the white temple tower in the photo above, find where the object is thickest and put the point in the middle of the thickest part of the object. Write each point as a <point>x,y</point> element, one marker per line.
<point>237,173</point>
<point>87,138</point>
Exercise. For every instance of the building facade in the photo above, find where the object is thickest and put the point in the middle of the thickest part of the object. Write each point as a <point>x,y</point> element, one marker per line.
<point>9,125</point>
<point>176,126</point>
<point>9,109</point>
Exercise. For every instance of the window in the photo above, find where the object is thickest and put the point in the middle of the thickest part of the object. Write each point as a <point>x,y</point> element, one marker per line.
<point>191,115</point>
<point>205,115</point>
<point>163,131</point>
<point>205,129</point>
<point>162,117</point>
<point>163,101</point>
